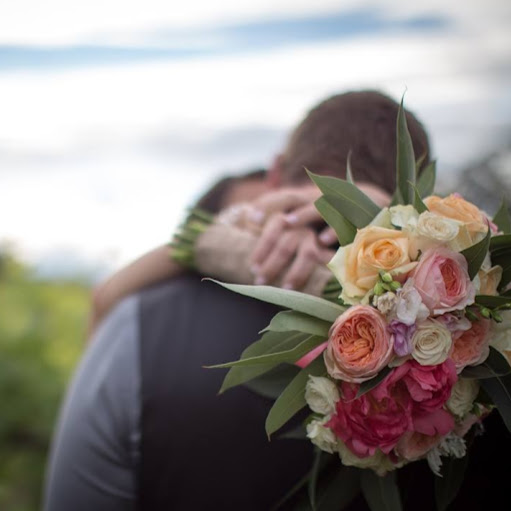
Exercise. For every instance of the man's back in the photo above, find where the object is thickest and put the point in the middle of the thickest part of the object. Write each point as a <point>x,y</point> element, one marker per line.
<point>200,449</point>
<point>143,425</point>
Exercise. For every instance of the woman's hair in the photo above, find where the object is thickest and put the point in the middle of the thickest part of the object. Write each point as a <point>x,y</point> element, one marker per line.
<point>362,123</point>
<point>216,198</point>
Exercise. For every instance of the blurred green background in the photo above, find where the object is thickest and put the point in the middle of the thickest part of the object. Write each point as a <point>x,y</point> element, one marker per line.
<point>42,335</point>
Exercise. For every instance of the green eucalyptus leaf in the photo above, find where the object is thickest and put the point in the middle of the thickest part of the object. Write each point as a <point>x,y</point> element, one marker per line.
<point>492,302</point>
<point>373,382</point>
<point>290,356</point>
<point>476,253</point>
<point>270,342</point>
<point>499,390</point>
<point>417,201</point>
<point>349,171</point>
<point>301,302</point>
<point>381,493</point>
<point>502,241</point>
<point>273,382</point>
<point>344,229</point>
<point>506,274</point>
<point>351,202</point>
<point>292,399</point>
<point>340,489</point>
<point>426,180</point>
<point>501,218</point>
<point>287,321</point>
<point>405,160</point>
<point>313,479</point>
<point>494,365</point>
<point>447,486</point>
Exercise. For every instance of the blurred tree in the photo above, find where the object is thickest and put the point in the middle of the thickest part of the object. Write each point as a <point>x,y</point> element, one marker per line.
<point>42,332</point>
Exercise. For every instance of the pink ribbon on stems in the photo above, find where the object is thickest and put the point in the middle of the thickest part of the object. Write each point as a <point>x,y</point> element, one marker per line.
<point>312,355</point>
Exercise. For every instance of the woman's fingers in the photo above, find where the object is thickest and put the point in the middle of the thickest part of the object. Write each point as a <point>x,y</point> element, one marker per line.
<point>282,200</point>
<point>308,256</point>
<point>270,235</point>
<point>280,257</point>
<point>302,216</point>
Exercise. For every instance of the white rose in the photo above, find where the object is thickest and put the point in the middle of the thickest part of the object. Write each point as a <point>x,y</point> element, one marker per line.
<point>438,228</point>
<point>378,462</point>
<point>431,343</point>
<point>462,397</point>
<point>382,219</point>
<point>404,216</point>
<point>321,436</point>
<point>321,395</point>
<point>409,306</point>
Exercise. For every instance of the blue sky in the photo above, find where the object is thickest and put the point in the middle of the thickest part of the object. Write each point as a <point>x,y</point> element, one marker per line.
<point>248,36</point>
<point>116,115</point>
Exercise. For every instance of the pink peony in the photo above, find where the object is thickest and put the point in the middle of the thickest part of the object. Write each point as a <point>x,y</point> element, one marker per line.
<point>368,423</point>
<point>473,346</point>
<point>442,280</point>
<point>429,388</point>
<point>359,345</point>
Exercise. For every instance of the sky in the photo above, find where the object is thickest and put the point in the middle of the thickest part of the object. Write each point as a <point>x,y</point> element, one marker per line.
<point>115,115</point>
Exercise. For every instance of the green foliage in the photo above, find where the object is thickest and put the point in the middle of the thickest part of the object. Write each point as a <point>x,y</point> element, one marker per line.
<point>42,332</point>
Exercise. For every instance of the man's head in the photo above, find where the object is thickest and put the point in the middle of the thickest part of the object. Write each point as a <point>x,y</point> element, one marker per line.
<point>363,122</point>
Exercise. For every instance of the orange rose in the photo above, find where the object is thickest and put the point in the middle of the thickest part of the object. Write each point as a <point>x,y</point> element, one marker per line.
<point>359,345</point>
<point>357,265</point>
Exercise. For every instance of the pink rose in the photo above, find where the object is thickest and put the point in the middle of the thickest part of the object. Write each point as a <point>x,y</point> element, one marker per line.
<point>372,422</point>
<point>442,280</point>
<point>359,345</point>
<point>473,346</point>
<point>429,388</point>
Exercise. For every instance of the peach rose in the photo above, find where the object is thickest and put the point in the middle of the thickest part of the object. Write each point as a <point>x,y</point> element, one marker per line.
<point>359,345</point>
<point>488,278</point>
<point>442,280</point>
<point>413,445</point>
<point>357,265</point>
<point>473,346</point>
<point>457,208</point>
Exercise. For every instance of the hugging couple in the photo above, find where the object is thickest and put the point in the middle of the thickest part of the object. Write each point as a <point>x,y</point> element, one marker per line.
<point>142,426</point>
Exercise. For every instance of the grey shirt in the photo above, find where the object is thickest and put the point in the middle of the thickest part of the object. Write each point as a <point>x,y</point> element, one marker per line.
<point>94,455</point>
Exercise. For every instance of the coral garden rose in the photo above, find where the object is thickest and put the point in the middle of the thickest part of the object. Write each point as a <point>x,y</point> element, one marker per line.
<point>359,345</point>
<point>371,422</point>
<point>472,219</point>
<point>442,280</point>
<point>473,346</point>
<point>357,265</point>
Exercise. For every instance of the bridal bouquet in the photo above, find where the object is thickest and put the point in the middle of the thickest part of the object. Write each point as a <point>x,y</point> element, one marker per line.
<point>415,353</point>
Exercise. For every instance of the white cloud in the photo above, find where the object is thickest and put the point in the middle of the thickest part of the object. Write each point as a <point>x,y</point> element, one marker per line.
<point>60,22</point>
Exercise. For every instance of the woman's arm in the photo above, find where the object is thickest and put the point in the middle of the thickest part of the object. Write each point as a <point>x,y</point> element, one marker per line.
<point>152,267</point>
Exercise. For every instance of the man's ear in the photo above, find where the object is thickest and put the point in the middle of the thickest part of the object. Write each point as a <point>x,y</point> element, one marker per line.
<point>274,174</point>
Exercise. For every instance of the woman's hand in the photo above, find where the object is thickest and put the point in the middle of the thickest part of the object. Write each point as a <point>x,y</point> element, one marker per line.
<point>283,241</point>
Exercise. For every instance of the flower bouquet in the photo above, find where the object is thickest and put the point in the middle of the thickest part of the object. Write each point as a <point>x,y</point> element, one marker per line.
<point>414,353</point>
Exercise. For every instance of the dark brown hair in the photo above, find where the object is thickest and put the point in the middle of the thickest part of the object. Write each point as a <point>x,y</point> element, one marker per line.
<point>363,122</point>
